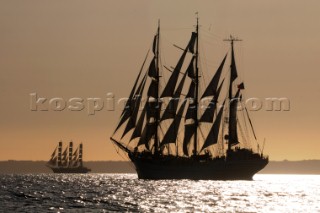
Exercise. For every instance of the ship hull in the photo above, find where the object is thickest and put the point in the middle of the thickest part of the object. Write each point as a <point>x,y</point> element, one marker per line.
<point>213,169</point>
<point>81,170</point>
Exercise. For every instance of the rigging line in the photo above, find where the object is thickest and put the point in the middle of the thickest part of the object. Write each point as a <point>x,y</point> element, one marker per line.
<point>252,129</point>
<point>214,46</point>
<point>246,126</point>
<point>244,132</point>
<point>178,139</point>
<point>202,76</point>
<point>168,40</point>
<point>206,127</point>
<point>201,70</point>
<point>163,61</point>
<point>245,144</point>
<point>213,43</point>
<point>211,34</point>
<point>204,83</point>
<point>162,77</point>
<point>165,125</point>
<point>221,144</point>
<point>118,150</point>
<point>126,159</point>
<point>218,149</point>
<point>203,137</point>
<point>241,59</point>
<point>128,162</point>
<point>167,68</point>
<point>180,48</point>
<point>176,29</point>
<point>127,144</point>
<point>204,59</point>
<point>214,35</point>
<point>212,63</point>
<point>161,129</point>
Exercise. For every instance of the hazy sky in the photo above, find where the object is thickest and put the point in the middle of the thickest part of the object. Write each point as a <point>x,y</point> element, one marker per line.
<point>89,48</point>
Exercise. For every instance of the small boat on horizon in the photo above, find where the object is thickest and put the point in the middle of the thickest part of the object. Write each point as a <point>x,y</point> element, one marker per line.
<point>67,161</point>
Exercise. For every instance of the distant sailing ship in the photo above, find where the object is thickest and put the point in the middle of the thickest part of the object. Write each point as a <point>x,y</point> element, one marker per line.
<point>67,161</point>
<point>171,138</point>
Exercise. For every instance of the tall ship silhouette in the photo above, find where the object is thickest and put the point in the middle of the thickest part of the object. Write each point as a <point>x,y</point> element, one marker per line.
<point>67,160</point>
<point>167,134</point>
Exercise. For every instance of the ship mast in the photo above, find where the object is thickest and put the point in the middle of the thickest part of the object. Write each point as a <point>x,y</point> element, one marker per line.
<point>60,154</point>
<point>80,154</point>
<point>233,76</point>
<point>70,153</point>
<point>197,91</point>
<point>156,142</point>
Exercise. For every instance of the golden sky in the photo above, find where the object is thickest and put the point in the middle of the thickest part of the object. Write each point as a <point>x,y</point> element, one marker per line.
<point>87,49</point>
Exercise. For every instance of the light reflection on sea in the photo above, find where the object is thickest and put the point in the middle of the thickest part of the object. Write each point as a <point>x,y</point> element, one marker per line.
<point>124,192</point>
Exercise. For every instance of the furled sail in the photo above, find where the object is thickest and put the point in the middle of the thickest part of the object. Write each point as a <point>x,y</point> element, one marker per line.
<point>172,133</point>
<point>152,72</point>
<point>233,133</point>
<point>153,88</point>
<point>208,114</point>
<point>154,46</point>
<point>190,128</point>
<point>211,89</point>
<point>212,137</point>
<point>192,42</point>
<point>191,69</point>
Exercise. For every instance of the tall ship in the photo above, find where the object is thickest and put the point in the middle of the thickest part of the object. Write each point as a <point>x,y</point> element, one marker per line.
<point>181,127</point>
<point>67,160</point>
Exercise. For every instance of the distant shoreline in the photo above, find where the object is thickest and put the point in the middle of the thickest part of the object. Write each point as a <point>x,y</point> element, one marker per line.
<point>274,167</point>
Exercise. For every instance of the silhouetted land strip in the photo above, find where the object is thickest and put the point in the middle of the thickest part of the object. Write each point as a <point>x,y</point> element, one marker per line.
<point>274,167</point>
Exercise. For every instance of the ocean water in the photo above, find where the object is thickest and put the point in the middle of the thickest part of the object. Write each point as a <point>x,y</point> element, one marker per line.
<point>125,193</point>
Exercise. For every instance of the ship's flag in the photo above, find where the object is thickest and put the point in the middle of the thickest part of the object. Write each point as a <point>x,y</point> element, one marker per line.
<point>241,86</point>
